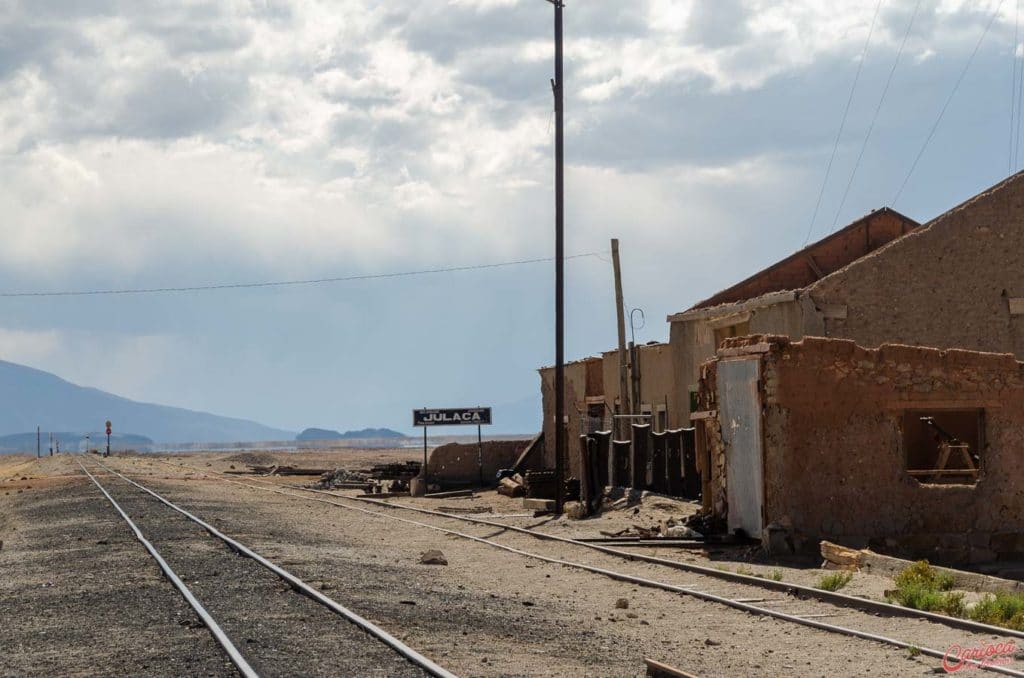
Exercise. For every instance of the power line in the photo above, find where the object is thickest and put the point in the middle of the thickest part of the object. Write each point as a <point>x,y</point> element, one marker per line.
<point>290,283</point>
<point>942,112</point>
<point>1011,161</point>
<point>874,118</point>
<point>842,124</point>
<point>1020,97</point>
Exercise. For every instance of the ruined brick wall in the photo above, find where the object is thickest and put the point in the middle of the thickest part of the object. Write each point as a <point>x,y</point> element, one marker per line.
<point>710,447</point>
<point>459,464</point>
<point>830,254</point>
<point>947,285</point>
<point>833,446</point>
<point>575,406</point>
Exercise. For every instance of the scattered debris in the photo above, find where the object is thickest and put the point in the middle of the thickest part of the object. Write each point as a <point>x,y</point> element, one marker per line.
<point>450,493</point>
<point>622,604</point>
<point>433,557</point>
<point>575,510</point>
<point>680,532</point>
<point>510,487</point>
<point>539,504</point>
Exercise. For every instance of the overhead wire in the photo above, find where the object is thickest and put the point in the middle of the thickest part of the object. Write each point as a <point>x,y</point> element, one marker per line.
<point>874,118</point>
<point>942,111</point>
<point>290,283</point>
<point>1020,97</point>
<point>1011,145</point>
<point>842,123</point>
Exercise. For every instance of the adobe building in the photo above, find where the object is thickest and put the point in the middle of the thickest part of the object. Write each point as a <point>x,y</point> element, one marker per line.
<point>782,299</point>
<point>906,449</point>
<point>592,395</point>
<point>955,282</point>
<point>650,378</point>
<point>584,402</point>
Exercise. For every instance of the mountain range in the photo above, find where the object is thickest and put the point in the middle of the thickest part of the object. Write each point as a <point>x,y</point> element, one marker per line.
<point>361,434</point>
<point>31,398</point>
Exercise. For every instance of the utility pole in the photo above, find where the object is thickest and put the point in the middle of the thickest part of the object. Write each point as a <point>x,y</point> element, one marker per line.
<point>625,401</point>
<point>38,443</point>
<point>557,85</point>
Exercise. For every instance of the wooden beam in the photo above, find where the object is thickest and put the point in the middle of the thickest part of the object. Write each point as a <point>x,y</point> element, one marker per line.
<point>814,266</point>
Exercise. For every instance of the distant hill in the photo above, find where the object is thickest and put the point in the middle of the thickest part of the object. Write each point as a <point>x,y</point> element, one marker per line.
<point>31,397</point>
<point>319,434</point>
<point>362,434</point>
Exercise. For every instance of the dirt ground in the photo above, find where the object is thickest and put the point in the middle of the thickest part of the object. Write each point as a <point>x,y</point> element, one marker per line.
<point>487,613</point>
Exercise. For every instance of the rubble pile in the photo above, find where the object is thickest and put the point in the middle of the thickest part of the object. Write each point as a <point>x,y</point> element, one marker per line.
<point>342,478</point>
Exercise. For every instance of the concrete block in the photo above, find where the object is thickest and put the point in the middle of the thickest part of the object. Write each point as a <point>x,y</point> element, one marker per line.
<point>539,504</point>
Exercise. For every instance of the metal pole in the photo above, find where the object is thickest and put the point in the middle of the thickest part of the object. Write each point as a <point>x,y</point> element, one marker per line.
<point>558,86</point>
<point>425,459</point>
<point>38,442</point>
<point>480,452</point>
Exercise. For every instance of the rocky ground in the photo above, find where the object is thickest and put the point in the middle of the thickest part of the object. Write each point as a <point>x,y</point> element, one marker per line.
<point>70,604</point>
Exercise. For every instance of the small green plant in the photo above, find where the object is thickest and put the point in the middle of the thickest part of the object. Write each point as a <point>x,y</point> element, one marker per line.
<point>834,581</point>
<point>777,574</point>
<point>922,587</point>
<point>1000,609</point>
<point>743,569</point>
<point>925,575</point>
<point>914,651</point>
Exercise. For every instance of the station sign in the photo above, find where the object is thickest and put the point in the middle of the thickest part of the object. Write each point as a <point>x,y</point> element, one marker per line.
<point>452,416</point>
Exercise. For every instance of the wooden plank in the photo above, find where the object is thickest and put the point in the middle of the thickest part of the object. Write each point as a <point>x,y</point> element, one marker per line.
<point>833,311</point>
<point>451,493</point>
<point>967,404</point>
<point>656,669</point>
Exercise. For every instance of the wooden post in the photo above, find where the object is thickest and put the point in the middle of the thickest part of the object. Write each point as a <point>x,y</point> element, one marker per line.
<point>620,312</point>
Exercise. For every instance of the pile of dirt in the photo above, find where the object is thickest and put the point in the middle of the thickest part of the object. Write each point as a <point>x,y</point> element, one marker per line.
<point>253,458</point>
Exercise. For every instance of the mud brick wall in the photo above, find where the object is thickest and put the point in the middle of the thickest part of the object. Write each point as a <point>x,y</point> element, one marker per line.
<point>833,446</point>
<point>458,463</point>
<point>576,382</point>
<point>948,284</point>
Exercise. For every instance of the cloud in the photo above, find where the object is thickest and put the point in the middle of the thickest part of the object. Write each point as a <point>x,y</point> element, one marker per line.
<point>127,365</point>
<point>146,143</point>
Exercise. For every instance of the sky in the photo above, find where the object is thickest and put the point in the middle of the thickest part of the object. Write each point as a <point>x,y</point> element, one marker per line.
<point>146,144</point>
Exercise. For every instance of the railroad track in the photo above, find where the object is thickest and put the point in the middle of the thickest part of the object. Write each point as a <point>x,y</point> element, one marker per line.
<point>365,644</point>
<point>867,619</point>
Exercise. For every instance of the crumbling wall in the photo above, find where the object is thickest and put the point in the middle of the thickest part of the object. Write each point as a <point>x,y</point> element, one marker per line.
<point>458,463</point>
<point>575,406</point>
<point>833,446</point>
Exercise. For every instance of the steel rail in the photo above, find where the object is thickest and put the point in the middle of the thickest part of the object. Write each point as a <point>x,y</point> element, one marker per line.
<point>642,581</point>
<point>833,597</point>
<point>218,633</point>
<point>401,648</point>
<point>840,599</point>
